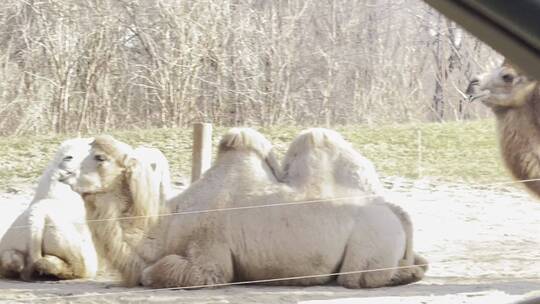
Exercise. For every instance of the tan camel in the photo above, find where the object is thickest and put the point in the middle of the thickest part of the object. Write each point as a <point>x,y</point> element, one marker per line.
<point>514,98</point>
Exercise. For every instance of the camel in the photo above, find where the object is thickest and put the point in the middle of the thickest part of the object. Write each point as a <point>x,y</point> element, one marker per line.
<point>160,166</point>
<point>338,234</point>
<point>122,195</point>
<point>50,237</point>
<point>514,98</point>
<point>309,154</point>
<point>55,221</point>
<point>323,150</point>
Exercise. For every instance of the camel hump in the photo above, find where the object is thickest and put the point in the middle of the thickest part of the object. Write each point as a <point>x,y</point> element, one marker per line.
<point>246,139</point>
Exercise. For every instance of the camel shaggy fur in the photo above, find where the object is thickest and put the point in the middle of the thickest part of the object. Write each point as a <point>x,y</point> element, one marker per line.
<point>147,172</point>
<point>514,98</point>
<point>358,233</point>
<point>122,195</point>
<point>160,167</point>
<point>319,150</point>
<point>50,237</point>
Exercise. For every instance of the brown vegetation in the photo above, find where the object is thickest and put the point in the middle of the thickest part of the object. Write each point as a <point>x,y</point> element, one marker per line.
<point>93,65</point>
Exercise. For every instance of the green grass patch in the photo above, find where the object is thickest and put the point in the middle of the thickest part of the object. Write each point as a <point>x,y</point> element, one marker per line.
<point>455,152</point>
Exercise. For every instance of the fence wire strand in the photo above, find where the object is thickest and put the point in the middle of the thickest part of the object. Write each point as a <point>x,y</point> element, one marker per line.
<point>230,283</point>
<point>304,202</point>
<point>277,204</point>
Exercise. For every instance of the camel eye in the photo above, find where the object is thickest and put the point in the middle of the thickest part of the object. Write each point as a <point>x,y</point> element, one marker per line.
<point>100,158</point>
<point>507,78</point>
<point>67,158</point>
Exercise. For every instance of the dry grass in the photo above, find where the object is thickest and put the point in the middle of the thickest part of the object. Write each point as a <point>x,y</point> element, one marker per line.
<point>464,152</point>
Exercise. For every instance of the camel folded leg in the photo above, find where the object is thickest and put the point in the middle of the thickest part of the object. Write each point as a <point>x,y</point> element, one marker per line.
<point>371,259</point>
<point>410,273</point>
<point>51,265</point>
<point>12,263</point>
<point>366,272</point>
<point>198,268</point>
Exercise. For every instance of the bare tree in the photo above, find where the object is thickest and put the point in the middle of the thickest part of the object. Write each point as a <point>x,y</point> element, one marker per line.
<point>94,65</point>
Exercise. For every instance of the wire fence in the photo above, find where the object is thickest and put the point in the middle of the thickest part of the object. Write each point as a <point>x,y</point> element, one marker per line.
<point>269,205</point>
<point>273,204</point>
<point>274,280</point>
<point>276,204</point>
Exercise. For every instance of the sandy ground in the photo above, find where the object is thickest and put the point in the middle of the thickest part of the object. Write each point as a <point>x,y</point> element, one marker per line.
<point>483,246</point>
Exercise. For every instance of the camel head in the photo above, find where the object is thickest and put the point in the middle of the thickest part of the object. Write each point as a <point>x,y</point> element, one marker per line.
<point>245,143</point>
<point>69,157</point>
<point>111,166</point>
<point>64,165</point>
<point>103,167</point>
<point>503,88</point>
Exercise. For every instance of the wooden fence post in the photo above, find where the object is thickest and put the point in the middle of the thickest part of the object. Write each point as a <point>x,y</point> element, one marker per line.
<point>202,149</point>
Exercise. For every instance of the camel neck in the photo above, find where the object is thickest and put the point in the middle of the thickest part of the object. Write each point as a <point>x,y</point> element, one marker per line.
<point>519,134</point>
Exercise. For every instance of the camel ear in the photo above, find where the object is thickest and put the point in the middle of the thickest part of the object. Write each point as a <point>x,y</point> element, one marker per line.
<point>130,161</point>
<point>144,188</point>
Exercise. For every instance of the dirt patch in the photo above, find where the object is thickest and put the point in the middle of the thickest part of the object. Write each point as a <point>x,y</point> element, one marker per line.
<point>483,245</point>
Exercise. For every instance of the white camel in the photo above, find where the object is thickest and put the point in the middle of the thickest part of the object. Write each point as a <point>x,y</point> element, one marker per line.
<point>122,194</point>
<point>346,173</point>
<point>359,234</point>
<point>319,150</point>
<point>55,220</point>
<point>161,169</point>
<point>50,236</point>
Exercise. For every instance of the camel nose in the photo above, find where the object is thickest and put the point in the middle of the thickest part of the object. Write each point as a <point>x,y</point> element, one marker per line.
<point>473,84</point>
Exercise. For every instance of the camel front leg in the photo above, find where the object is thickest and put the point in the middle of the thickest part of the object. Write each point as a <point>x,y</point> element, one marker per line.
<point>198,268</point>
<point>54,266</point>
<point>12,263</point>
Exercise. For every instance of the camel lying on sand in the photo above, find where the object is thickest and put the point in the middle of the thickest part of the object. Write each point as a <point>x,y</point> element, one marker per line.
<point>265,230</point>
<point>51,237</point>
